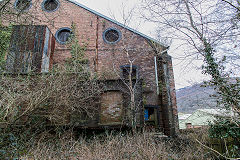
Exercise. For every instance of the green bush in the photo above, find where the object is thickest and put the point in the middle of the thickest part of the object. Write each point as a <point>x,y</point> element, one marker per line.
<point>229,133</point>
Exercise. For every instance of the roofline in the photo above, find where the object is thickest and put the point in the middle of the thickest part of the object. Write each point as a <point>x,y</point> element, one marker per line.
<point>116,22</point>
<point>220,114</point>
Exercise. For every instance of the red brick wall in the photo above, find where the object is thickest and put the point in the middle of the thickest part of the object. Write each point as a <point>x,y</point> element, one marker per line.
<point>104,58</point>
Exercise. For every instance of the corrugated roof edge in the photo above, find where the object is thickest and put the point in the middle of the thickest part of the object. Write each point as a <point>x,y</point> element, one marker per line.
<point>118,23</point>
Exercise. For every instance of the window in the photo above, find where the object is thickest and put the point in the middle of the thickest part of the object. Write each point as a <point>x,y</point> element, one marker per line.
<point>112,35</point>
<point>50,5</point>
<point>22,5</point>
<point>63,35</point>
<point>151,116</point>
<point>126,71</point>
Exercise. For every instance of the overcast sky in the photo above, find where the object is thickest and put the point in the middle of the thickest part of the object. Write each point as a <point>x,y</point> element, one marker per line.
<point>185,74</point>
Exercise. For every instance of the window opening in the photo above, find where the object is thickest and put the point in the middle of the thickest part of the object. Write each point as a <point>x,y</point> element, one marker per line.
<point>111,35</point>
<point>50,5</point>
<point>22,5</point>
<point>150,115</point>
<point>126,72</point>
<point>63,35</point>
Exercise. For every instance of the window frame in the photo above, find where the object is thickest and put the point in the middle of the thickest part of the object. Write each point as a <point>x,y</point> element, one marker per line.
<point>58,31</point>
<point>44,9</point>
<point>25,10</point>
<point>127,68</point>
<point>112,28</point>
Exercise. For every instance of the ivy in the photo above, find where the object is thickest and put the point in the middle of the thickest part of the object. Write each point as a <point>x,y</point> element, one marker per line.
<point>228,93</point>
<point>224,128</point>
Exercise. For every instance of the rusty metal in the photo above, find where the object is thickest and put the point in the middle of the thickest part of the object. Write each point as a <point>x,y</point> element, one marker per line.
<point>31,49</point>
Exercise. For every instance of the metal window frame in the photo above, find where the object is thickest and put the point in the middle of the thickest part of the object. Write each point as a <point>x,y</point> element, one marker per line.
<point>58,31</point>
<point>44,9</point>
<point>112,28</point>
<point>19,10</point>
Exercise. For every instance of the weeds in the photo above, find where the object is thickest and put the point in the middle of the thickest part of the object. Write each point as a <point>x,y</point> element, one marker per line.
<point>115,146</point>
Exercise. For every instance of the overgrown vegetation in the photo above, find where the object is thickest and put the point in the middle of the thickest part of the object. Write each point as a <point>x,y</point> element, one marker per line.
<point>213,36</point>
<point>66,89</point>
<point>228,132</point>
<point>228,90</point>
<point>5,34</point>
<point>31,103</point>
<point>78,63</point>
<point>113,145</point>
<point>34,101</point>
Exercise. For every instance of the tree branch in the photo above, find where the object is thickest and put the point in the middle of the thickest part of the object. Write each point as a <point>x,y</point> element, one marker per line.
<point>232,5</point>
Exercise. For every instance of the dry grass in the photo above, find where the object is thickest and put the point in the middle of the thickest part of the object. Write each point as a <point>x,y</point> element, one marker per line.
<point>54,96</point>
<point>120,146</point>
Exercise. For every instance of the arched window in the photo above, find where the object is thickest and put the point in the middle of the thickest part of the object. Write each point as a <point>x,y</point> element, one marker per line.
<point>50,5</point>
<point>22,5</point>
<point>112,35</point>
<point>63,35</point>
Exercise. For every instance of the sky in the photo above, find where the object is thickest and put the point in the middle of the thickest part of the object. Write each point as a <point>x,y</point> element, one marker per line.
<point>186,72</point>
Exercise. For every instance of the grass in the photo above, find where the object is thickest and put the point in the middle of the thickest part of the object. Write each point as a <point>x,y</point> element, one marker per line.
<point>111,146</point>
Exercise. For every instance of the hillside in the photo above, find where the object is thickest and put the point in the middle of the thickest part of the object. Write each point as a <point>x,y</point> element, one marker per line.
<point>195,97</point>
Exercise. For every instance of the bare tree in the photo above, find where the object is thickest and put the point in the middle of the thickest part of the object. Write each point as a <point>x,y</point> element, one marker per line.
<point>208,30</point>
<point>131,59</point>
<point>212,35</point>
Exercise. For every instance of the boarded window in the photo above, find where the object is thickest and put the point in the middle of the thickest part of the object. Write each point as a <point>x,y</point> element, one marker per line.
<point>111,108</point>
<point>50,5</point>
<point>112,35</point>
<point>31,49</point>
<point>22,5</point>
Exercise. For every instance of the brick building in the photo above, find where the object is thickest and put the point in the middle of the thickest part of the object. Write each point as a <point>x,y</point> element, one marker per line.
<point>110,49</point>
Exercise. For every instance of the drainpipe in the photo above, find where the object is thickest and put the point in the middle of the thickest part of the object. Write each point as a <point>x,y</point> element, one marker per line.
<point>96,54</point>
<point>156,71</point>
<point>156,74</point>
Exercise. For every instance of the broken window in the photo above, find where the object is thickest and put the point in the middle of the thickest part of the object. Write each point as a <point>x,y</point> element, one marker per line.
<point>151,115</point>
<point>126,72</point>
<point>50,5</point>
<point>63,35</point>
<point>22,5</point>
<point>111,35</point>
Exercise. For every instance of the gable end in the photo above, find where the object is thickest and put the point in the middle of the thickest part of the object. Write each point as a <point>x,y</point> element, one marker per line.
<point>118,23</point>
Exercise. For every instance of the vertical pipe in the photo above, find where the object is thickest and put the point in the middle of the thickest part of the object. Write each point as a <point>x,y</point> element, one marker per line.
<point>96,54</point>
<point>156,74</point>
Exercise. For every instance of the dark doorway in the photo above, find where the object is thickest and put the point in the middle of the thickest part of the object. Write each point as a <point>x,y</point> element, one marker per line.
<point>151,116</point>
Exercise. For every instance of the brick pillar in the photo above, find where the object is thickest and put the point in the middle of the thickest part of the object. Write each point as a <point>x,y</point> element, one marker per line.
<point>167,96</point>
